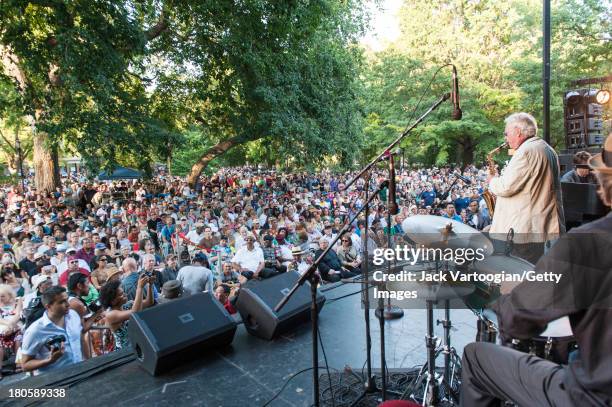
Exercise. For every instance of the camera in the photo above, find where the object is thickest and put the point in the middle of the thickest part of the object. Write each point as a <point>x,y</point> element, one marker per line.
<point>55,342</point>
<point>148,274</point>
<point>94,306</point>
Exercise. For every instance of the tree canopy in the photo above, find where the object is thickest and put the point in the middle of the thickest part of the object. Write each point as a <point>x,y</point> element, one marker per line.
<point>278,82</point>
<point>497,49</point>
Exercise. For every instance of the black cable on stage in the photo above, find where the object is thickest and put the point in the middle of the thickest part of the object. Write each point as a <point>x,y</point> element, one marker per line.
<point>286,383</point>
<point>331,300</point>
<point>331,389</point>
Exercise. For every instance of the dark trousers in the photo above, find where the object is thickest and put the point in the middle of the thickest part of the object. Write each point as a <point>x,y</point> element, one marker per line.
<point>492,374</point>
<point>271,271</point>
<point>332,278</point>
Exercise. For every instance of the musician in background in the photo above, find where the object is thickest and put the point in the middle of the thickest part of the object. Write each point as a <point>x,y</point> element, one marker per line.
<point>581,174</point>
<point>528,191</point>
<point>583,257</point>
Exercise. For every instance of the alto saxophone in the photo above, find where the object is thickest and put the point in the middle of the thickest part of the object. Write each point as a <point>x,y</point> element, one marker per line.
<point>487,195</point>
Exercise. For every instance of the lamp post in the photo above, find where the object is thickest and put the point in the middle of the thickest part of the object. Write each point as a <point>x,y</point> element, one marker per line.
<point>20,159</point>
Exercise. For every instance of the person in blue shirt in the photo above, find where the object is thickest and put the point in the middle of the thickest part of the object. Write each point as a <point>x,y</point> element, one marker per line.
<point>451,213</point>
<point>462,202</point>
<point>428,196</point>
<point>166,234</point>
<point>58,320</point>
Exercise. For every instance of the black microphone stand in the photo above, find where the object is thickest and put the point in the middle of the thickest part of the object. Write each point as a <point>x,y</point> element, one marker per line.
<point>311,276</point>
<point>370,382</point>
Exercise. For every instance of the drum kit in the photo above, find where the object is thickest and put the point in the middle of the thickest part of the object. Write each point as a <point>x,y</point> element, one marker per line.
<point>434,386</point>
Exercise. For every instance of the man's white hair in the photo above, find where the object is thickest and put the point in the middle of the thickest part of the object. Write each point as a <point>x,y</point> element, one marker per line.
<point>129,263</point>
<point>147,257</point>
<point>525,122</point>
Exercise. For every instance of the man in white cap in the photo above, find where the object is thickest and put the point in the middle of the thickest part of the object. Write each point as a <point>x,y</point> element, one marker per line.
<point>249,259</point>
<point>583,258</point>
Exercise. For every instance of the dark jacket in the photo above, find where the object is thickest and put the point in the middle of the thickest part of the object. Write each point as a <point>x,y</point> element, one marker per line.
<point>329,262</point>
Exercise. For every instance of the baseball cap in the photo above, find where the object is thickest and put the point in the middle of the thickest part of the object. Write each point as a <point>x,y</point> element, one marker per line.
<point>38,279</point>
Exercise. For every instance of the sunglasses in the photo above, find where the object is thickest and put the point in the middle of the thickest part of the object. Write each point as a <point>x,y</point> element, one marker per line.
<point>74,262</point>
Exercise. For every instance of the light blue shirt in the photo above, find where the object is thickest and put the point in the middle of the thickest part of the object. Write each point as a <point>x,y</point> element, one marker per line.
<point>43,329</point>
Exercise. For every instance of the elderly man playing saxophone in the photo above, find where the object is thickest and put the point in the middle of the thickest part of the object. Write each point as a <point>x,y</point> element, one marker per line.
<point>528,191</point>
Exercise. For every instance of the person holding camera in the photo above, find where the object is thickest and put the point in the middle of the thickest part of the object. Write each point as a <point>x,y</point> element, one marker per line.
<point>55,340</point>
<point>118,309</point>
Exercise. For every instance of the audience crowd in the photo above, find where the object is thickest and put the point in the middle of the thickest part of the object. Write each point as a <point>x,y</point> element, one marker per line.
<point>76,263</point>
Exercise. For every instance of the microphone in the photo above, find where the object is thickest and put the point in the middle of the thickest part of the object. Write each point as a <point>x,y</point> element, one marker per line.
<point>393,209</point>
<point>464,179</point>
<point>457,113</point>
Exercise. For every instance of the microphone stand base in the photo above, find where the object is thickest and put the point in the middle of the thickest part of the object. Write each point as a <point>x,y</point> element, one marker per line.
<point>390,312</point>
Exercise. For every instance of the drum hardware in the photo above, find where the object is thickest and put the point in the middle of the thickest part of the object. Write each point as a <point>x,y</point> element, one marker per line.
<point>509,242</point>
<point>438,387</point>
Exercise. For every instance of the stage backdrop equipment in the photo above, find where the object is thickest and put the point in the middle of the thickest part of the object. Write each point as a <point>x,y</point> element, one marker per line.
<point>258,298</point>
<point>179,330</point>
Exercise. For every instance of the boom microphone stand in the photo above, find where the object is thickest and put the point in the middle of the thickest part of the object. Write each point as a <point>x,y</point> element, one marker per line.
<point>314,280</point>
<point>365,172</point>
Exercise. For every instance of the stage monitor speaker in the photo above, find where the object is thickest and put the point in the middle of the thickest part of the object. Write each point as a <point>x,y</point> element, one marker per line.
<point>258,298</point>
<point>170,333</point>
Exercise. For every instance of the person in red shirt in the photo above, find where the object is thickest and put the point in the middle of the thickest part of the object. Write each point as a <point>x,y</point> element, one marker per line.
<point>73,267</point>
<point>222,294</point>
<point>87,251</point>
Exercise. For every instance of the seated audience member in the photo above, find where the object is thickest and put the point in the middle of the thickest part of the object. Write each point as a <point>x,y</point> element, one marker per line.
<point>118,308</point>
<point>222,294</point>
<point>451,213</point>
<point>73,267</point>
<point>9,277</point>
<point>10,325</point>
<point>170,270</point>
<point>33,306</point>
<point>330,267</point>
<point>249,260</point>
<point>300,260</point>
<point>348,254</point>
<point>228,275</point>
<point>273,265</point>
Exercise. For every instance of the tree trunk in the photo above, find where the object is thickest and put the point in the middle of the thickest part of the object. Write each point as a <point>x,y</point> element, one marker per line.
<point>210,154</point>
<point>467,152</point>
<point>46,165</point>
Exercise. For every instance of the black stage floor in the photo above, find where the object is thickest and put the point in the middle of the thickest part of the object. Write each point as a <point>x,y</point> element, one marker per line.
<point>252,370</point>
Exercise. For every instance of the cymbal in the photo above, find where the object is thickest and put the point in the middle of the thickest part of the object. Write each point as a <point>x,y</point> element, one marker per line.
<point>440,232</point>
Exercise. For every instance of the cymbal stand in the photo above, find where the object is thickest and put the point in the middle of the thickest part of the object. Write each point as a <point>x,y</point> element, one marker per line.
<point>452,361</point>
